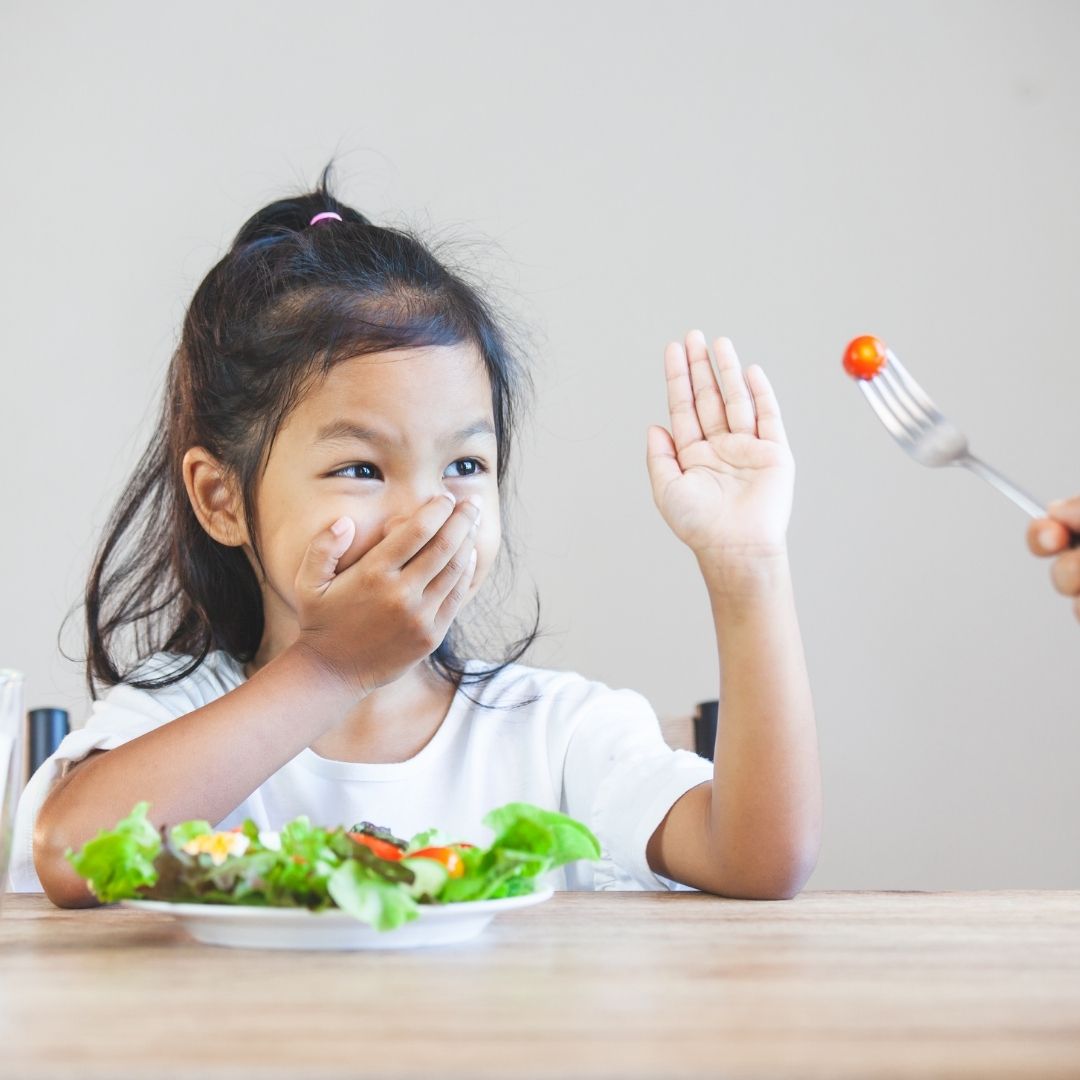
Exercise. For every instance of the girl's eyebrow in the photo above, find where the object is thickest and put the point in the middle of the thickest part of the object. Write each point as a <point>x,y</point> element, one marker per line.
<point>344,430</point>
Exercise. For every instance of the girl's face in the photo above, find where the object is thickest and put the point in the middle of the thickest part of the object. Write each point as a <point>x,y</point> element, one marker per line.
<point>375,439</point>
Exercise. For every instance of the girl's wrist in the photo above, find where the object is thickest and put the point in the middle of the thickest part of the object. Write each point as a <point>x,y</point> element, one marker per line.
<point>748,572</point>
<point>321,681</point>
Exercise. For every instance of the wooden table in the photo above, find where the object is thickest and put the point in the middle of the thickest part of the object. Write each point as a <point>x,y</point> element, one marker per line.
<point>620,985</point>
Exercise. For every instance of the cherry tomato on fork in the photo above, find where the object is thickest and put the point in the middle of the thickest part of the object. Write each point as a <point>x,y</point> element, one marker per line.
<point>864,357</point>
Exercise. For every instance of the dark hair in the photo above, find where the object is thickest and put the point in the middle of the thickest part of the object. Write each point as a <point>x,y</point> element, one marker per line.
<point>284,305</point>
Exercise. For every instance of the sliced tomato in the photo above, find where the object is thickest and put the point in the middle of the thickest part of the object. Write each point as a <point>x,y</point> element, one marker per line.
<point>452,860</point>
<point>383,848</point>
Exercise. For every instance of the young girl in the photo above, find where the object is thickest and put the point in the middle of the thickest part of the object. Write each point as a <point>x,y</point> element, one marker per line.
<point>322,500</point>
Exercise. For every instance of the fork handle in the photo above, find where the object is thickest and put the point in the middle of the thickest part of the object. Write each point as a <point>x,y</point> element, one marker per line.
<point>1010,490</point>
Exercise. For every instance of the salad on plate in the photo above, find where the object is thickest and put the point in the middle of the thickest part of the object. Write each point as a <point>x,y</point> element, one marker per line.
<point>366,871</point>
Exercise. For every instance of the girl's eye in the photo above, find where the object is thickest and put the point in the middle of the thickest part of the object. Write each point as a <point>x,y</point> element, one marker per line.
<point>464,467</point>
<point>361,470</point>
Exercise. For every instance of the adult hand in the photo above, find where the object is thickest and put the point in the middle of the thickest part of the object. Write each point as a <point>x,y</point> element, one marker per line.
<point>1052,535</point>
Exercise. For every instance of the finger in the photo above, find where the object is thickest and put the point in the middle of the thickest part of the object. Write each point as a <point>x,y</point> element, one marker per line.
<point>442,554</point>
<point>1065,573</point>
<point>660,461</point>
<point>707,398</point>
<point>450,574</point>
<point>680,397</point>
<point>410,536</point>
<point>770,424</point>
<point>458,592</point>
<point>319,564</point>
<point>1067,511</point>
<point>737,400</point>
<point>1046,537</point>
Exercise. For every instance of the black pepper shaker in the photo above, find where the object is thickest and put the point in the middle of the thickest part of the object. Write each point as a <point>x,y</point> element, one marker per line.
<point>45,729</point>
<point>705,727</point>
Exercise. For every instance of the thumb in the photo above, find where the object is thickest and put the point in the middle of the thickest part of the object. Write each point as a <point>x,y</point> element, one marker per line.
<point>1046,536</point>
<point>661,461</point>
<point>1067,511</point>
<point>321,558</point>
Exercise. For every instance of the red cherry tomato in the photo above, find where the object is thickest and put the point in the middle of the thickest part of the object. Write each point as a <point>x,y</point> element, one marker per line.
<point>454,863</point>
<point>864,357</point>
<point>383,848</point>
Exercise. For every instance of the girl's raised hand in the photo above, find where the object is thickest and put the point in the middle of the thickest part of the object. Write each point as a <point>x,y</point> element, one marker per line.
<point>724,478</point>
<point>390,609</point>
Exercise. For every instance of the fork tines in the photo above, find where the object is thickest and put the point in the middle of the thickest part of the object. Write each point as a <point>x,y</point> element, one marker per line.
<point>900,403</point>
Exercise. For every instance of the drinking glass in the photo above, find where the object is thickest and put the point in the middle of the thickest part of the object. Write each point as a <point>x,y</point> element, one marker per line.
<point>11,761</point>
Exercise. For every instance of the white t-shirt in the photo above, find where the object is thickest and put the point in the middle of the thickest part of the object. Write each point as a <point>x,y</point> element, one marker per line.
<point>583,748</point>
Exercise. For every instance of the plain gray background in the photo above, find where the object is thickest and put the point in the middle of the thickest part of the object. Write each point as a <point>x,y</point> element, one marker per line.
<point>787,174</point>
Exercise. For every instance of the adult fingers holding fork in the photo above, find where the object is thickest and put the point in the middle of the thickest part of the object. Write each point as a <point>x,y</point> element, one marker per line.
<point>1053,535</point>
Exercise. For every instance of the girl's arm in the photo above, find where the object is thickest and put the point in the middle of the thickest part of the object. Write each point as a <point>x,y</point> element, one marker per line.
<point>201,765</point>
<point>724,483</point>
<point>358,630</point>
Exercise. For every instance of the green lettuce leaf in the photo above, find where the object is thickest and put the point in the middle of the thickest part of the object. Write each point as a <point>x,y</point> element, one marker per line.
<point>370,899</point>
<point>526,827</point>
<point>118,862</point>
<point>188,830</point>
<point>529,841</point>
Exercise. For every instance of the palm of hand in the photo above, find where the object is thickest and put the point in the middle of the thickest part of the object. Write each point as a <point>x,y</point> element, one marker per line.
<point>724,480</point>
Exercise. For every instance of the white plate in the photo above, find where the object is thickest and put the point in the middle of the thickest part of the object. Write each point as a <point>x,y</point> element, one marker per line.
<point>297,928</point>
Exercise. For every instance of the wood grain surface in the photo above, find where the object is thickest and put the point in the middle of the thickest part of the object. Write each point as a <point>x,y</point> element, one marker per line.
<point>609,984</point>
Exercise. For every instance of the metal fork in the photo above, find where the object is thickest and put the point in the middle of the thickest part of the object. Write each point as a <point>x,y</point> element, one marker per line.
<point>915,422</point>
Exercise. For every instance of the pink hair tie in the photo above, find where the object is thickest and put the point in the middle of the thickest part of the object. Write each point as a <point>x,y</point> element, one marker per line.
<point>324,215</point>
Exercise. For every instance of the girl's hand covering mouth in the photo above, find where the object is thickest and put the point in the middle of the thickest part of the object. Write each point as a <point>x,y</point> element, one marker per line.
<point>724,478</point>
<point>412,584</point>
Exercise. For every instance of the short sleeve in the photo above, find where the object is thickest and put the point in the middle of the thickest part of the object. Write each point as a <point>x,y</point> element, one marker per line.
<point>123,713</point>
<point>622,778</point>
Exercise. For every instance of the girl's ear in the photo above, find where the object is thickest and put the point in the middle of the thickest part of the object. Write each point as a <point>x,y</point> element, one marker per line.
<point>215,497</point>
